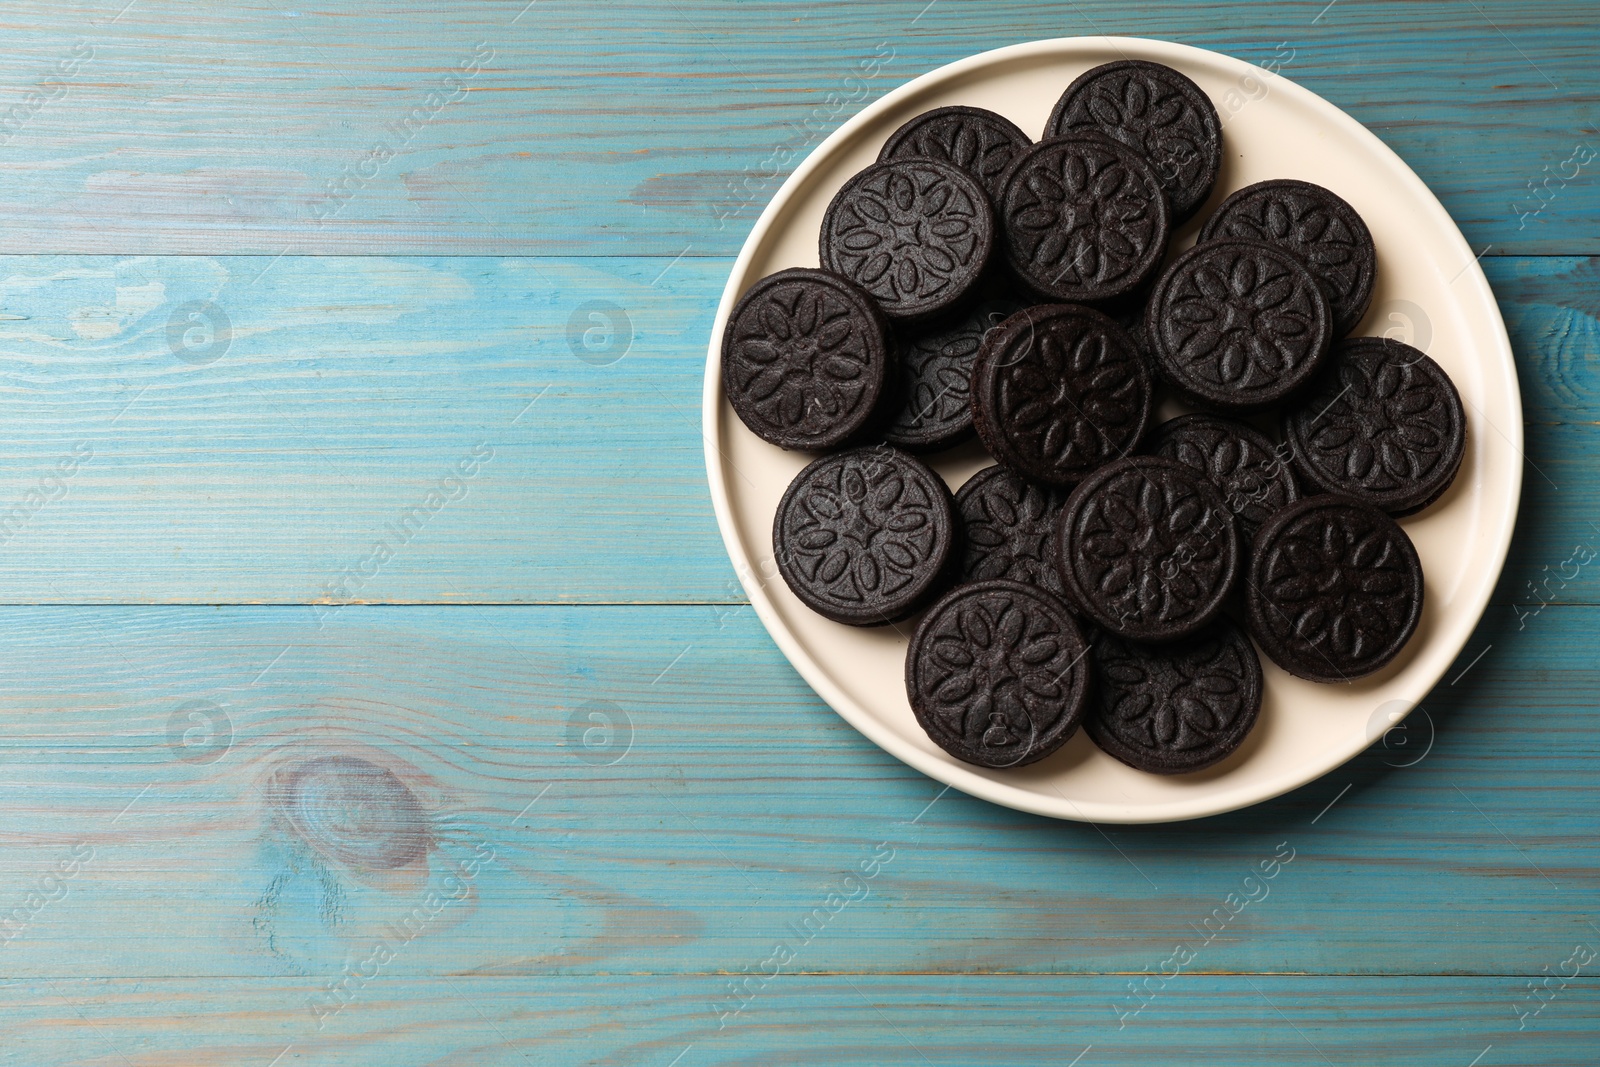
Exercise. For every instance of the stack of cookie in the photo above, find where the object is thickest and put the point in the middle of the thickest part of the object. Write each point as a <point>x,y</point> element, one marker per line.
<point>1106,571</point>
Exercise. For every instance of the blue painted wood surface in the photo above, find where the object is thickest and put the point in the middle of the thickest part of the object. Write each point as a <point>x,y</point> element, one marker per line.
<point>654,127</point>
<point>283,282</point>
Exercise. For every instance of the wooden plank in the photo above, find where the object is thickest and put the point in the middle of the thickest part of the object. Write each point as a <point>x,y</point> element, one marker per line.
<point>506,129</point>
<point>652,789</point>
<point>1552,311</point>
<point>1551,305</point>
<point>269,467</point>
<point>447,832</point>
<point>1262,1021</point>
<point>202,430</point>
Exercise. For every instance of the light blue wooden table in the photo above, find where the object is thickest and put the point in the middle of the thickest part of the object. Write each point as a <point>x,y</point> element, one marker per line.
<point>376,689</point>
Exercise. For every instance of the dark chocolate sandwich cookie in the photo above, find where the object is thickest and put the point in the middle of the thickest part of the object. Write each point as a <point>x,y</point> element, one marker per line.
<point>915,233</point>
<point>1057,391</point>
<point>980,142</point>
<point>1178,707</point>
<point>1148,549</point>
<point>1255,477</point>
<point>1384,424</point>
<point>804,359</point>
<point>932,378</point>
<point>865,537</point>
<point>1085,220</point>
<point>1238,325</point>
<point>1158,113</point>
<point>998,673</point>
<point>1317,226</point>
<point>1009,529</point>
<point>1334,589</point>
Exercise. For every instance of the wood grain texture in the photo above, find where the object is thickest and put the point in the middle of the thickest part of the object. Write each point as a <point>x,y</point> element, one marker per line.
<point>863,1021</point>
<point>273,421</point>
<point>495,128</point>
<point>281,290</point>
<point>653,790</point>
<point>343,390</point>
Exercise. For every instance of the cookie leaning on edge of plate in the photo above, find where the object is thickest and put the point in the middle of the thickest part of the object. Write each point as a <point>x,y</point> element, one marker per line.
<point>998,673</point>
<point>865,537</point>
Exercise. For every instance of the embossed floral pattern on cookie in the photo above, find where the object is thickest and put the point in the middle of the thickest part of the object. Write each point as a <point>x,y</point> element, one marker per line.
<point>934,378</point>
<point>1255,477</point>
<point>1058,391</point>
<point>1335,589</point>
<point>804,359</point>
<point>996,673</point>
<point>1085,220</point>
<point>1318,227</point>
<point>980,142</point>
<point>863,537</point>
<point>1385,424</point>
<point>915,233</point>
<point>1178,707</point>
<point>1157,112</point>
<point>1148,549</point>
<point>1237,324</point>
<point>1010,529</point>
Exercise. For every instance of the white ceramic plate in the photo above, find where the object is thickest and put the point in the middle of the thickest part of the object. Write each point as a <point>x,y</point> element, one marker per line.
<point>1430,292</point>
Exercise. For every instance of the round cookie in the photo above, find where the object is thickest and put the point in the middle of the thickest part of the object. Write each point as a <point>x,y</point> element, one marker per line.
<point>1084,220</point>
<point>931,381</point>
<point>1334,589</point>
<point>1384,424</point>
<point>1178,707</point>
<point>1008,528</point>
<point>805,355</point>
<point>865,537</point>
<point>1238,325</point>
<point>1314,224</point>
<point>1157,112</point>
<point>998,673</point>
<point>978,141</point>
<point>915,233</point>
<point>1148,549</point>
<point>1255,477</point>
<point>1058,391</point>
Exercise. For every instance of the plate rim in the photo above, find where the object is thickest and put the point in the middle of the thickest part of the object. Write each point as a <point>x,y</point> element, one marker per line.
<point>958,776</point>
